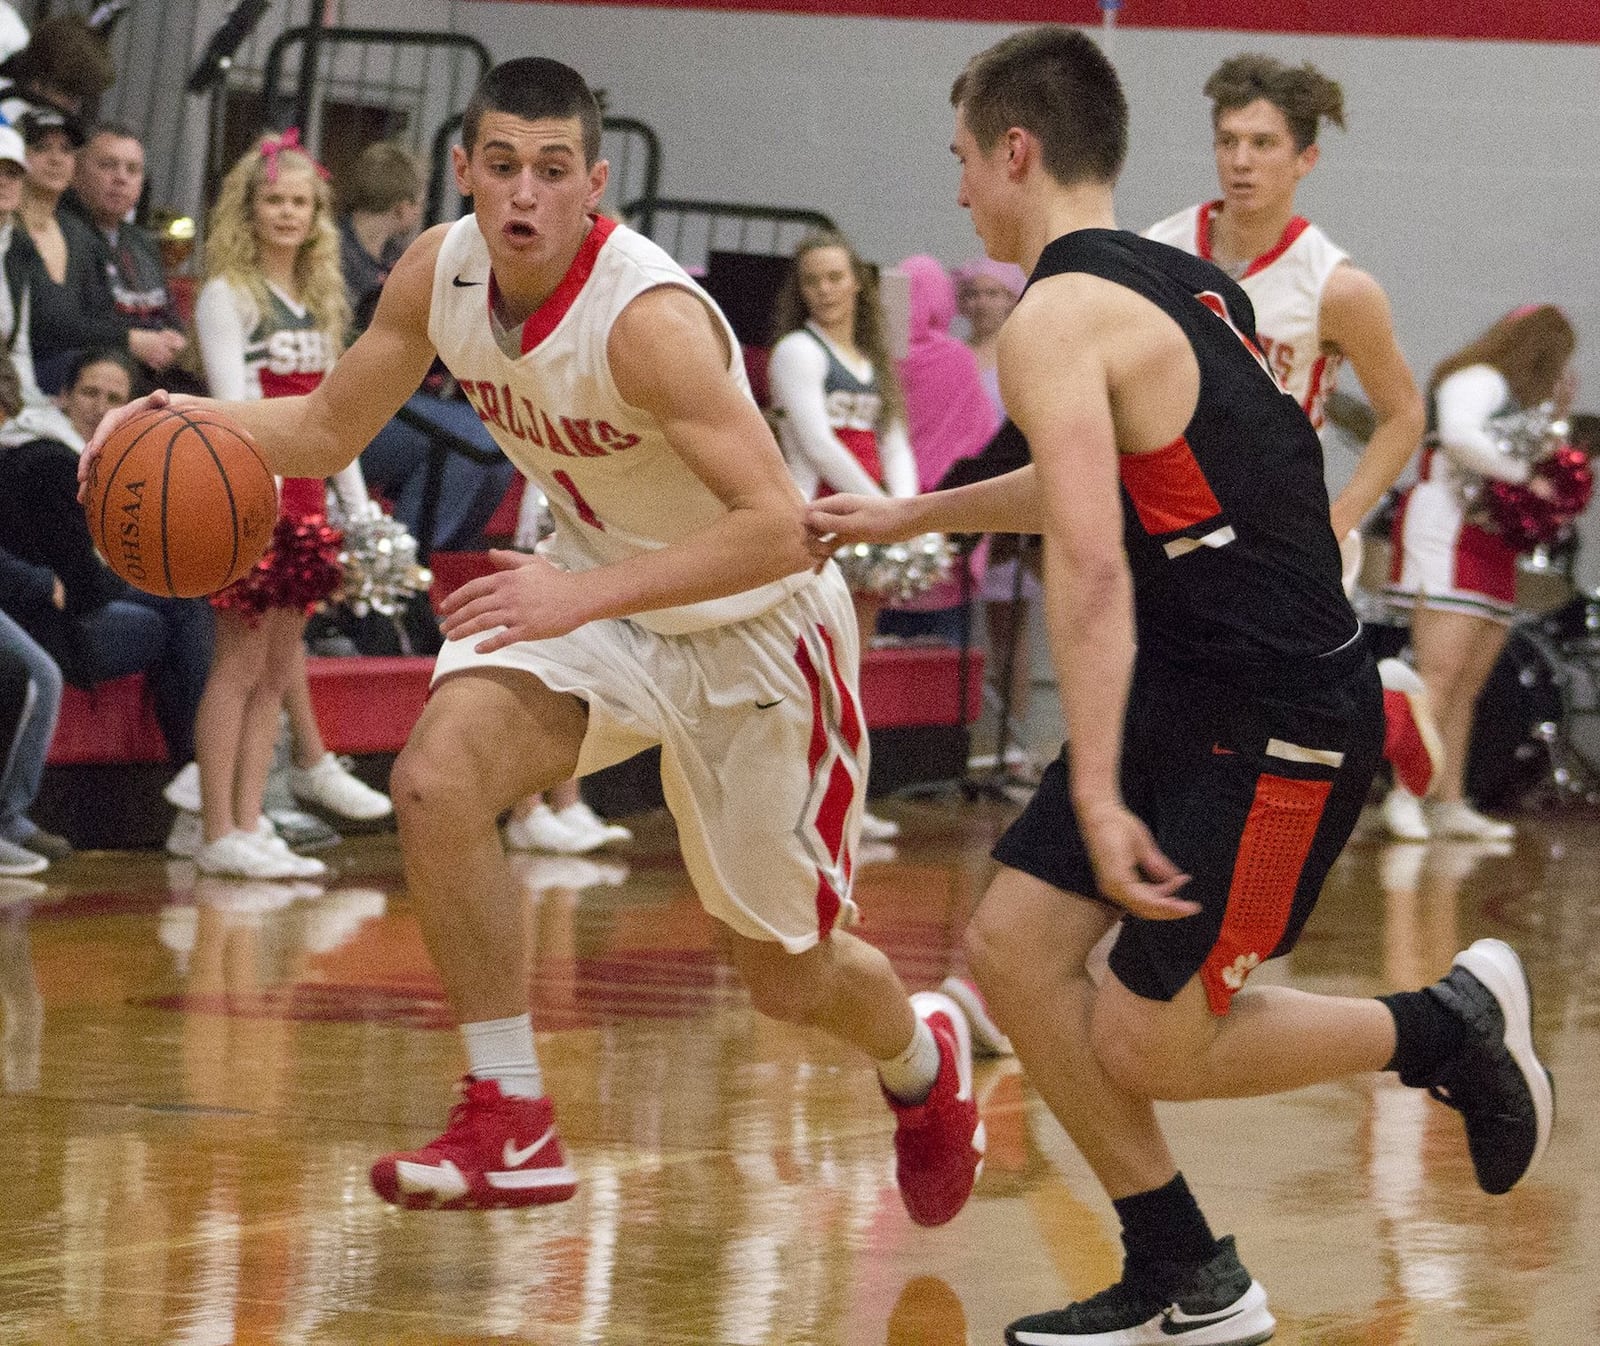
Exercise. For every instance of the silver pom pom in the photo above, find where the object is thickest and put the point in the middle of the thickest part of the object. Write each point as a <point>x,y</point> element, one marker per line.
<point>381,573</point>
<point>896,571</point>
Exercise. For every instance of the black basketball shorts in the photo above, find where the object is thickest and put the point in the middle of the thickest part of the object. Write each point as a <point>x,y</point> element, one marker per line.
<point>1253,794</point>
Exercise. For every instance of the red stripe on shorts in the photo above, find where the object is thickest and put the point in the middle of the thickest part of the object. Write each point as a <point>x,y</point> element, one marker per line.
<point>1168,489</point>
<point>849,717</point>
<point>1277,837</point>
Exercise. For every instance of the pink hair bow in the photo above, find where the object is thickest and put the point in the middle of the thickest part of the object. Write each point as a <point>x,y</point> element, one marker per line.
<point>272,146</point>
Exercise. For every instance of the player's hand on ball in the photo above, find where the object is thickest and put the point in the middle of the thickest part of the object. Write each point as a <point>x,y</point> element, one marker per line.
<point>1130,868</point>
<point>839,520</point>
<point>527,597</point>
<point>120,415</point>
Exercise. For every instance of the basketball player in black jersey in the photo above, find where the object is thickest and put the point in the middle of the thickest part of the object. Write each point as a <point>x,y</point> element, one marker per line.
<point>1224,713</point>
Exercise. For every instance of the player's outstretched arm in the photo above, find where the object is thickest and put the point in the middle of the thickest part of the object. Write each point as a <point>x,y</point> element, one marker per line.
<point>669,358</point>
<point>322,432</point>
<point>1355,319</point>
<point>1004,504</point>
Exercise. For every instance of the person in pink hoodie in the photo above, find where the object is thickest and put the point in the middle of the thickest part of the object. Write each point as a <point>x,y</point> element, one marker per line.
<point>949,416</point>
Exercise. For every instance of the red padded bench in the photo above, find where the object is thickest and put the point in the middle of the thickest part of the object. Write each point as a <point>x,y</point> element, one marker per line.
<point>364,705</point>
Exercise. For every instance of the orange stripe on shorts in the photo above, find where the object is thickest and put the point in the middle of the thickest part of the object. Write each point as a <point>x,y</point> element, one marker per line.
<point>1277,838</point>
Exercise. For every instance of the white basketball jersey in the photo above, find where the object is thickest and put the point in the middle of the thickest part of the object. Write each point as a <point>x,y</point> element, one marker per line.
<point>616,487</point>
<point>1285,286</point>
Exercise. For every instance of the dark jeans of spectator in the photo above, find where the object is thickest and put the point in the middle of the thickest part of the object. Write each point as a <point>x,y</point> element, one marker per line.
<point>41,521</point>
<point>396,465</point>
<point>27,724</point>
<point>169,640</point>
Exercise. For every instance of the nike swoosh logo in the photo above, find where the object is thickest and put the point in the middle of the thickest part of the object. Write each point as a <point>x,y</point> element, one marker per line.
<point>515,1158</point>
<point>464,284</point>
<point>1177,1322</point>
<point>767,705</point>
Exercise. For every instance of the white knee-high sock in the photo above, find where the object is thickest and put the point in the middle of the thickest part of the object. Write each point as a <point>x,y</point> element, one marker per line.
<point>502,1050</point>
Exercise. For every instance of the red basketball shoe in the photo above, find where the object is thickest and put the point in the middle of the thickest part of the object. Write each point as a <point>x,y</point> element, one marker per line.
<point>1411,743</point>
<point>938,1143</point>
<point>497,1151</point>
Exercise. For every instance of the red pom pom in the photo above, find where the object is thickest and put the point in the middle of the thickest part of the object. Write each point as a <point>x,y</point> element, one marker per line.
<point>1528,518</point>
<point>300,569</point>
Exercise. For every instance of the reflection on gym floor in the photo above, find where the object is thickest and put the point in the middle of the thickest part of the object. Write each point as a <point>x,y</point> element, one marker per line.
<point>197,1073</point>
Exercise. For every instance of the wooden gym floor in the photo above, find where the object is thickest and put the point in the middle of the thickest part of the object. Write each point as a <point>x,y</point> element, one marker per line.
<point>196,1074</point>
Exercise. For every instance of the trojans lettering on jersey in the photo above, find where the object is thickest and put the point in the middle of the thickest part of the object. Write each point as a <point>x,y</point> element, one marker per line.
<point>578,436</point>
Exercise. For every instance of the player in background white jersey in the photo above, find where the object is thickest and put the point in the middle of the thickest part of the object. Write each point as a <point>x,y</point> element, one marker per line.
<point>681,609</point>
<point>1314,310</point>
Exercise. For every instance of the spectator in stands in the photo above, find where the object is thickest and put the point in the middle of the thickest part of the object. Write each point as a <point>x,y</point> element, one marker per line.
<point>841,416</point>
<point>65,66</point>
<point>383,207</point>
<point>62,261</point>
<point>382,200</point>
<point>272,254</point>
<point>835,392</point>
<point>948,417</point>
<point>92,624</point>
<point>106,187</point>
<point>13,32</point>
<point>30,696</point>
<point>987,292</point>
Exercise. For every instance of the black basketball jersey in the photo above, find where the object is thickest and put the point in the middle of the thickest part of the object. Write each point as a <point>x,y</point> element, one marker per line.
<point>1235,567</point>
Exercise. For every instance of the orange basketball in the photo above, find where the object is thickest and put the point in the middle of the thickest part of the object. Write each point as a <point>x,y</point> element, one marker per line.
<point>180,503</point>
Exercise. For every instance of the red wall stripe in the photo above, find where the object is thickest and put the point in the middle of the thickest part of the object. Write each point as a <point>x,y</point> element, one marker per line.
<point>1501,20</point>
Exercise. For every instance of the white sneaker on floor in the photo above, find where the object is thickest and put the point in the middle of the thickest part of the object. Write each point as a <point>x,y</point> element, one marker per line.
<point>1403,816</point>
<point>18,861</point>
<point>239,855</point>
<point>543,830</point>
<point>874,828</point>
<point>987,1039</point>
<point>266,837</point>
<point>330,784</point>
<point>186,835</point>
<point>585,824</point>
<point>183,790</point>
<point>1457,818</point>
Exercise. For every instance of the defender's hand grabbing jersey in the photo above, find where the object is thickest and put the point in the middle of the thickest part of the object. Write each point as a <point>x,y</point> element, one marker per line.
<point>1285,286</point>
<point>751,696</point>
<point>1254,719</point>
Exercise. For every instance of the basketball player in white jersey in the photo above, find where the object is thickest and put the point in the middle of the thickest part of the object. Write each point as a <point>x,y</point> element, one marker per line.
<point>676,605</point>
<point>1314,310</point>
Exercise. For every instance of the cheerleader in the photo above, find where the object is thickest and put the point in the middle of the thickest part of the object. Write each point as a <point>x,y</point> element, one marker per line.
<point>269,322</point>
<point>1457,575</point>
<point>840,412</point>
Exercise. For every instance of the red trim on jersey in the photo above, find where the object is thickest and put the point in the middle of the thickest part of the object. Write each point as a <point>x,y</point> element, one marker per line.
<point>1314,393</point>
<point>544,319</point>
<point>1202,238</point>
<point>1278,832</point>
<point>1169,491</point>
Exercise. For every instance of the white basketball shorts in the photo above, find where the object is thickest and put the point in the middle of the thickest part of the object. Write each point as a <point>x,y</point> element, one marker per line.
<point>763,747</point>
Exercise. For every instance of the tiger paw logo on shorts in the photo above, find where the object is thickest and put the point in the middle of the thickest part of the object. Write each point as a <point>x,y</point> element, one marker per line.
<point>1234,974</point>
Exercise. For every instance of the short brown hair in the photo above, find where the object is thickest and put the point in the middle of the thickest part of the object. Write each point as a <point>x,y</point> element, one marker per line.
<point>1304,95</point>
<point>1056,83</point>
<point>531,87</point>
<point>383,175</point>
<point>1531,347</point>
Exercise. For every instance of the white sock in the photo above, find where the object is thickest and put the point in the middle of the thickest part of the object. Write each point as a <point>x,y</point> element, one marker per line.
<point>910,1076</point>
<point>502,1050</point>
